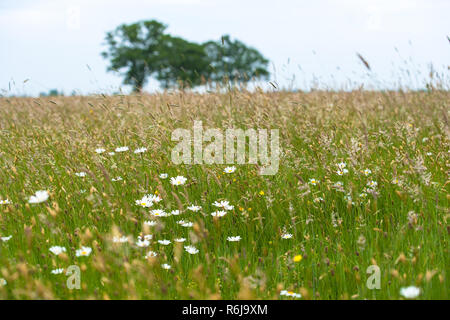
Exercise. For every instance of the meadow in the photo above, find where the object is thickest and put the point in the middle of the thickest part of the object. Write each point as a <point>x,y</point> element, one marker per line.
<point>362,181</point>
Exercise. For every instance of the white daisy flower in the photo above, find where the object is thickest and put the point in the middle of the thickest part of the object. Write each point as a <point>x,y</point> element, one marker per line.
<point>142,243</point>
<point>119,178</point>
<point>179,239</point>
<point>194,208</point>
<point>150,223</point>
<point>83,252</point>
<point>181,222</point>
<point>39,196</point>
<point>111,153</point>
<point>372,184</point>
<point>191,249</point>
<point>313,181</point>
<point>163,175</point>
<point>140,150</point>
<point>223,204</point>
<point>318,199</point>
<point>5,239</point>
<point>342,172</point>
<point>367,172</point>
<point>219,213</point>
<point>100,150</point>
<point>341,165</point>
<point>159,213</point>
<point>229,169</point>
<point>178,180</point>
<point>164,242</point>
<point>175,212</point>
<point>121,149</point>
<point>232,239</point>
<point>148,200</point>
<point>286,235</point>
<point>147,237</point>
<point>363,195</point>
<point>290,294</point>
<point>80,174</point>
<point>150,254</point>
<point>411,292</point>
<point>166,266</point>
<point>6,201</point>
<point>3,282</point>
<point>57,271</point>
<point>57,250</point>
<point>395,181</point>
<point>187,224</point>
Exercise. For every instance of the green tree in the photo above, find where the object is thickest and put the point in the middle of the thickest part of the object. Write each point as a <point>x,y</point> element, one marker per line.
<point>135,51</point>
<point>183,63</point>
<point>234,61</point>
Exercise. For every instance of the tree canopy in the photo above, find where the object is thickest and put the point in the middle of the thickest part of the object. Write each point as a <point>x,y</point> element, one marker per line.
<point>143,50</point>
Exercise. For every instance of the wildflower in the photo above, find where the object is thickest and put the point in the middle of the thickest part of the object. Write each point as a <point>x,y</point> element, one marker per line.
<point>140,150</point>
<point>148,200</point>
<point>229,169</point>
<point>191,249</point>
<point>150,254</point>
<point>313,181</point>
<point>83,252</point>
<point>411,292</point>
<point>179,239</point>
<point>341,165</point>
<point>166,266</point>
<point>6,201</point>
<point>142,243</point>
<point>120,239</point>
<point>100,150</point>
<point>5,239</point>
<point>178,180</point>
<point>219,213</point>
<point>111,153</point>
<point>121,149</point>
<point>363,195</point>
<point>234,239</point>
<point>286,235</point>
<point>164,242</point>
<point>39,196</point>
<point>57,271</point>
<point>290,294</point>
<point>80,174</point>
<point>187,224</point>
<point>298,258</point>
<point>163,175</point>
<point>367,172</point>
<point>3,282</point>
<point>429,153</point>
<point>159,213</point>
<point>117,179</point>
<point>223,204</point>
<point>150,223</point>
<point>57,250</point>
<point>372,184</point>
<point>175,212</point>
<point>318,199</point>
<point>261,193</point>
<point>395,181</point>
<point>194,208</point>
<point>342,172</point>
<point>181,222</point>
<point>147,237</point>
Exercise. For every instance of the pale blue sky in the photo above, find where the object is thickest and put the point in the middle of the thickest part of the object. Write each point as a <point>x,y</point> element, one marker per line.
<point>51,42</point>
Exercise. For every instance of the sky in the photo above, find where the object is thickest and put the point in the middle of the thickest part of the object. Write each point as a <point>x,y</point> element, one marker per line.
<point>56,44</point>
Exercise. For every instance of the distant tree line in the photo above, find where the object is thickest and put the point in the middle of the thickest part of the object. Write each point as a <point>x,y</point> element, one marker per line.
<point>143,50</point>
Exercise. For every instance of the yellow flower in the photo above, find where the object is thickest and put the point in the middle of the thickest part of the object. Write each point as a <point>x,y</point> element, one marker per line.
<point>249,209</point>
<point>156,191</point>
<point>261,193</point>
<point>241,209</point>
<point>298,258</point>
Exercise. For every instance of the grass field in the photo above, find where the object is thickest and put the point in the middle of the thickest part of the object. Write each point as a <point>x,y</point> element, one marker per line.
<point>312,229</point>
